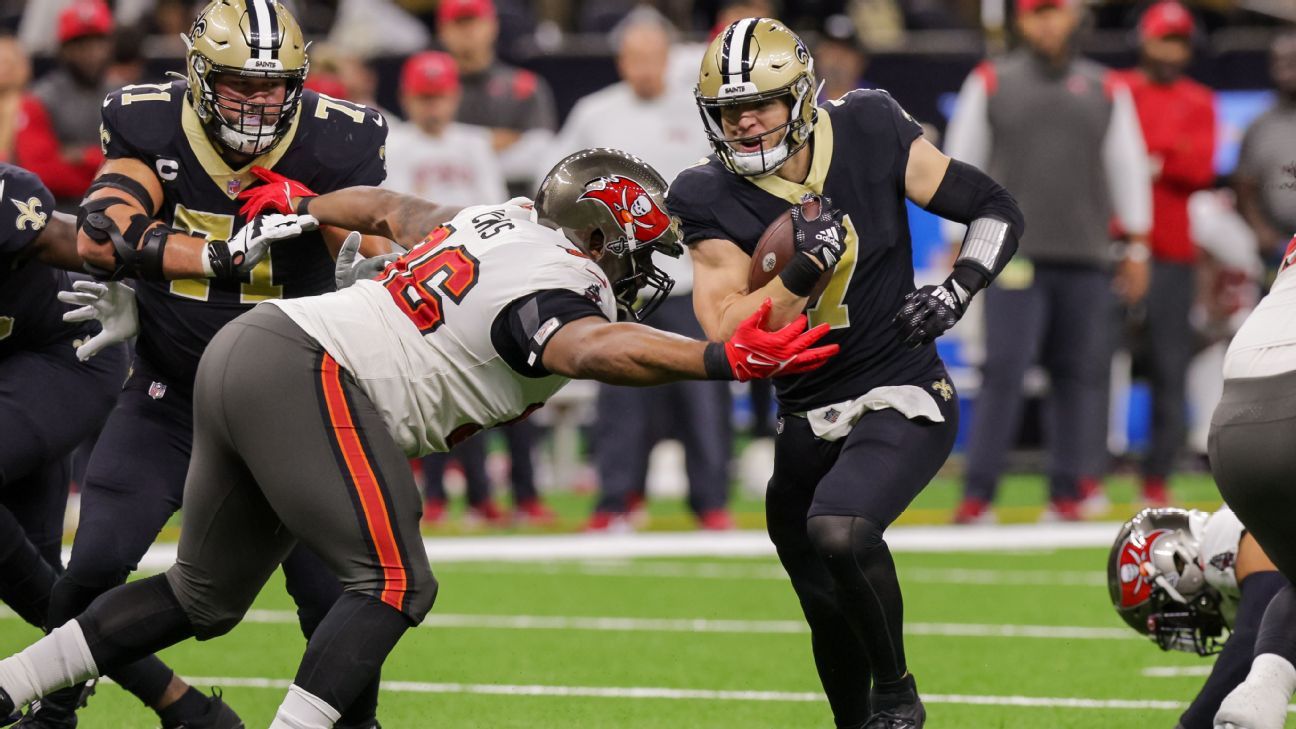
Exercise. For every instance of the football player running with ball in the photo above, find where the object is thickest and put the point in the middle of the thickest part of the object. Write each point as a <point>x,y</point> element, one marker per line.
<point>859,438</point>
<point>307,410</point>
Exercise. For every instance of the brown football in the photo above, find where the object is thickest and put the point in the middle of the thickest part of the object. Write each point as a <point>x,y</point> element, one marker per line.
<point>773,251</point>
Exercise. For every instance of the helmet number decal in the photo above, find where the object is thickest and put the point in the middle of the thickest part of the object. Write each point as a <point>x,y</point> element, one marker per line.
<point>159,92</point>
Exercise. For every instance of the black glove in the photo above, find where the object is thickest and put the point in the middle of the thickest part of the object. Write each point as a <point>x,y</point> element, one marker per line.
<point>930,311</point>
<point>817,230</point>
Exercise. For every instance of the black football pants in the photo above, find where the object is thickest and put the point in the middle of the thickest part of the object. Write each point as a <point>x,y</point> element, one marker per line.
<point>826,507</point>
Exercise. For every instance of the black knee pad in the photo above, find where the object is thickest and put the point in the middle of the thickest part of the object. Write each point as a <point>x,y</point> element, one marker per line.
<point>837,537</point>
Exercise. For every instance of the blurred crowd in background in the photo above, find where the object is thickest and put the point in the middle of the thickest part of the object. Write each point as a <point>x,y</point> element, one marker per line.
<point>483,96</point>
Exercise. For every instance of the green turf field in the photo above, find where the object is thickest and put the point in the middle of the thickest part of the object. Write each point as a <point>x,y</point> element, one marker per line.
<point>517,645</point>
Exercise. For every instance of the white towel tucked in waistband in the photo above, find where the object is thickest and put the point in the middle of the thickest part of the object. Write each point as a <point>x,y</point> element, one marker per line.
<point>834,422</point>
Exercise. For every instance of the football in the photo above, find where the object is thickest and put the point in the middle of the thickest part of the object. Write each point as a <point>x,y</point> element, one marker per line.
<point>773,251</point>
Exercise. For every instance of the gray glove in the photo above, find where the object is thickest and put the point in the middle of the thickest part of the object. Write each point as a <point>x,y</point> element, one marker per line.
<point>352,267</point>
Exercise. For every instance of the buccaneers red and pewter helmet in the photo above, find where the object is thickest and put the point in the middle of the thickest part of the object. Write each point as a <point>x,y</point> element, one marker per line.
<point>613,206</point>
<point>1157,585</point>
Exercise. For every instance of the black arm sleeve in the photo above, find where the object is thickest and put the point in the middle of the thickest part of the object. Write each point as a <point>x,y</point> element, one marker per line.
<point>1234,661</point>
<point>521,331</point>
<point>967,194</point>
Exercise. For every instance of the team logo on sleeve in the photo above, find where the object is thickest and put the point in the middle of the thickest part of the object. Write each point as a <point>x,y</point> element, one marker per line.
<point>643,220</point>
<point>29,213</point>
<point>1132,568</point>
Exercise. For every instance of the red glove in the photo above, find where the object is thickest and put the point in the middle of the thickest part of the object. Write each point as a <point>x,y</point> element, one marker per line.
<point>276,194</point>
<point>754,352</point>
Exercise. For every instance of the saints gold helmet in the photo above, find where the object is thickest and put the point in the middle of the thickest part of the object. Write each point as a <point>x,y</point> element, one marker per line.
<point>756,60</point>
<point>256,39</point>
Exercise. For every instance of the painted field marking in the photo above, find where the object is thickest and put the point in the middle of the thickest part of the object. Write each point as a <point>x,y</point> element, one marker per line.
<point>714,570</point>
<point>644,692</point>
<point>739,543</point>
<point>1176,671</point>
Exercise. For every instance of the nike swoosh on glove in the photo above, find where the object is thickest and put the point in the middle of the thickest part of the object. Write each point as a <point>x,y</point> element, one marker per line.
<point>276,194</point>
<point>930,312</point>
<point>754,352</point>
<point>250,243</point>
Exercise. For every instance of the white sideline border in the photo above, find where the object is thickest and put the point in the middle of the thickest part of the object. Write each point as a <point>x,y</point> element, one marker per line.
<point>645,692</point>
<point>745,543</point>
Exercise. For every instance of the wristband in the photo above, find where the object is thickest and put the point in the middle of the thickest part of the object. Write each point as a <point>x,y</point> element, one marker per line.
<point>217,263</point>
<point>1137,252</point>
<point>304,205</point>
<point>716,362</point>
<point>801,274</point>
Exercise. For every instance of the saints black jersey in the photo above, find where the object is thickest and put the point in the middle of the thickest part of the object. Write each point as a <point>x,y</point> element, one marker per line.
<point>30,313</point>
<point>860,150</point>
<point>333,144</point>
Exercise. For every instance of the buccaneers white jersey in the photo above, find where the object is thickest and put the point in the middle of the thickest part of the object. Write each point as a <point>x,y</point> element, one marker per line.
<point>418,339</point>
<point>1265,345</point>
<point>1218,536</point>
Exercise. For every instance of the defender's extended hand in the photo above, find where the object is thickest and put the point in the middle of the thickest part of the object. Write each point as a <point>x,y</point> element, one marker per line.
<point>753,352</point>
<point>112,303</point>
<point>352,267</point>
<point>276,194</point>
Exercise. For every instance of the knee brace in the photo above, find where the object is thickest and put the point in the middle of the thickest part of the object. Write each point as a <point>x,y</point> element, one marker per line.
<point>837,537</point>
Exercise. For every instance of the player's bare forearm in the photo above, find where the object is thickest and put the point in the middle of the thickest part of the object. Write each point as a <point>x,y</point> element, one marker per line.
<point>182,257</point>
<point>720,296</point>
<point>405,219</point>
<point>57,245</point>
<point>623,354</point>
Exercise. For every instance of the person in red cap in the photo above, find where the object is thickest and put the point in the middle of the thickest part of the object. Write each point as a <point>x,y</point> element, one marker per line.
<point>1177,115</point>
<point>444,160</point>
<point>59,140</point>
<point>514,103</point>
<point>1062,133</point>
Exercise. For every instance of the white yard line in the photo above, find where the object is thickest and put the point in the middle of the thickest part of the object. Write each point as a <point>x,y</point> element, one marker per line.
<point>1176,671</point>
<point>1011,537</point>
<point>705,625</point>
<point>643,692</point>
<point>721,571</point>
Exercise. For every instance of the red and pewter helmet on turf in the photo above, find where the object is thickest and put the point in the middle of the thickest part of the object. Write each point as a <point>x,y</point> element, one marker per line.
<point>1157,585</point>
<point>256,39</point>
<point>612,205</point>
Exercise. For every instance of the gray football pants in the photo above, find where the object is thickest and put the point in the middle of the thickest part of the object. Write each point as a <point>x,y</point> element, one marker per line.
<point>286,448</point>
<point>1254,463</point>
<point>1062,320</point>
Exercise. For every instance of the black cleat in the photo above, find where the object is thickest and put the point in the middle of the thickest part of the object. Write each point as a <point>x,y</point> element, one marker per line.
<point>58,710</point>
<point>219,715</point>
<point>905,716</point>
<point>8,712</point>
<point>367,724</point>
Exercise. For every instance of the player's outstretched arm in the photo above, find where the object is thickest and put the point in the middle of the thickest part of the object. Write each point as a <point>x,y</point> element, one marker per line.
<point>633,354</point>
<point>119,236</point>
<point>405,219</point>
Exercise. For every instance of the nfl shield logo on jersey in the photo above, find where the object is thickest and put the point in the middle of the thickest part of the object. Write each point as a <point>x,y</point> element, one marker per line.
<point>157,390</point>
<point>232,187</point>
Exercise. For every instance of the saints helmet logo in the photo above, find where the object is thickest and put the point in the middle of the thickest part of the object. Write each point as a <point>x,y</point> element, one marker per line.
<point>30,212</point>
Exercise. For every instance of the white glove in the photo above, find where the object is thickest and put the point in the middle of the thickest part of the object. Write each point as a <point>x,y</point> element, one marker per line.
<point>352,267</point>
<point>112,303</point>
<point>249,245</point>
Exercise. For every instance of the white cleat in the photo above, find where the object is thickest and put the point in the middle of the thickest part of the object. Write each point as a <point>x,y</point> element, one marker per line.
<point>1259,702</point>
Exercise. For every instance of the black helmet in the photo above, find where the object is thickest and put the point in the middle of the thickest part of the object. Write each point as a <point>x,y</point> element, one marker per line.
<point>1157,585</point>
<point>612,205</point>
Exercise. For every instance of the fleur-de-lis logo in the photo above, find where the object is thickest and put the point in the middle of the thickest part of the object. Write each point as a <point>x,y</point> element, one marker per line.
<point>943,389</point>
<point>30,212</point>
